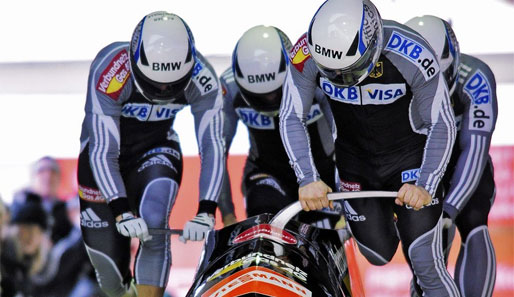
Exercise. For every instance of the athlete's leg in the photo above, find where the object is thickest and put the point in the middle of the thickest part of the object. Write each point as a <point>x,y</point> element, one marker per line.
<point>475,270</point>
<point>264,192</point>
<point>421,236</point>
<point>154,182</point>
<point>363,215</point>
<point>370,220</point>
<point>109,251</point>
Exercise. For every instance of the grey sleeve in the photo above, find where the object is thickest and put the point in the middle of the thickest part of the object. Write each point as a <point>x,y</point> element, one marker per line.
<point>102,121</point>
<point>478,94</point>
<point>231,119</point>
<point>225,203</point>
<point>207,109</point>
<point>328,117</point>
<point>430,112</point>
<point>298,94</point>
<point>431,103</point>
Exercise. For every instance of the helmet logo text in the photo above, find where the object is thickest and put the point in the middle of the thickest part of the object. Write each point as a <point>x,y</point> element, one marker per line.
<point>170,66</point>
<point>260,78</point>
<point>327,52</point>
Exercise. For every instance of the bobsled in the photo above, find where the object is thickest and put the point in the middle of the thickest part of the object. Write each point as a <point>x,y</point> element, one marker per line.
<point>279,256</point>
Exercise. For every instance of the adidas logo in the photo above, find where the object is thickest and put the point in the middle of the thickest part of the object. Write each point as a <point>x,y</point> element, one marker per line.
<point>89,219</point>
<point>351,214</point>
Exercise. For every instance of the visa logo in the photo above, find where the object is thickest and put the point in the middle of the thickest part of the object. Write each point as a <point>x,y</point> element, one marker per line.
<point>253,119</point>
<point>478,88</point>
<point>382,93</point>
<point>149,112</point>
<point>410,175</point>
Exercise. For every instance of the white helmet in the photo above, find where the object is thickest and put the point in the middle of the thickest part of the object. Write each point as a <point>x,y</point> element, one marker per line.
<point>162,56</point>
<point>345,40</point>
<point>441,37</point>
<point>259,63</point>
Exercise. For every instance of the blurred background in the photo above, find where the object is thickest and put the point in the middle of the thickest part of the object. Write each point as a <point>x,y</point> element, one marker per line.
<point>48,46</point>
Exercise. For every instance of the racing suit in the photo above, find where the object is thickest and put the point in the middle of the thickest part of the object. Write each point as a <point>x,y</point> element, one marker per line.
<point>470,179</point>
<point>394,127</point>
<point>269,182</point>
<point>130,153</point>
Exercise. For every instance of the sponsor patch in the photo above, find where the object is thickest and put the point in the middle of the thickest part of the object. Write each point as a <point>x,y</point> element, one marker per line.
<point>163,150</point>
<point>478,88</point>
<point>157,160</point>
<point>314,114</point>
<point>347,186</point>
<point>351,214</point>
<point>251,118</point>
<point>265,231</point>
<point>415,53</point>
<point>349,95</point>
<point>377,94</point>
<point>257,280</point>
<point>90,194</point>
<point>89,219</point>
<point>203,78</point>
<point>370,94</point>
<point>259,258</point>
<point>115,75</point>
<point>148,112</point>
<point>410,175</point>
<point>300,53</point>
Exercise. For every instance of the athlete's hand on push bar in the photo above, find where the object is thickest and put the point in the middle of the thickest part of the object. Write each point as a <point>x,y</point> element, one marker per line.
<point>414,196</point>
<point>313,196</point>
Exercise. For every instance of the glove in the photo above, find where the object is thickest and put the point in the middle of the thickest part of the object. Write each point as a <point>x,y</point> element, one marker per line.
<point>447,221</point>
<point>131,226</point>
<point>197,228</point>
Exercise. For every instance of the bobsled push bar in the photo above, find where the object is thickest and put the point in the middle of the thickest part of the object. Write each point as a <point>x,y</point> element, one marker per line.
<point>159,231</point>
<point>280,220</point>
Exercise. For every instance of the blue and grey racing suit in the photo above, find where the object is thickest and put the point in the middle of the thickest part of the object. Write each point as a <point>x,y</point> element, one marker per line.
<point>396,126</point>
<point>269,182</point>
<point>131,160</point>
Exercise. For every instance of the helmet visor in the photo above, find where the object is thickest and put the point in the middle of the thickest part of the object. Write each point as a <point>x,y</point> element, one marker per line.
<point>157,92</point>
<point>267,103</point>
<point>359,70</point>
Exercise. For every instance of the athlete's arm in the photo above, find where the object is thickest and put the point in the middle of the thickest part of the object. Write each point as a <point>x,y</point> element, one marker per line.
<point>298,94</point>
<point>225,202</point>
<point>103,109</point>
<point>478,93</point>
<point>207,109</point>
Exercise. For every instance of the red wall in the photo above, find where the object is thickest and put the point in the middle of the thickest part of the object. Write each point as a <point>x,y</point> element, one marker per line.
<point>389,280</point>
